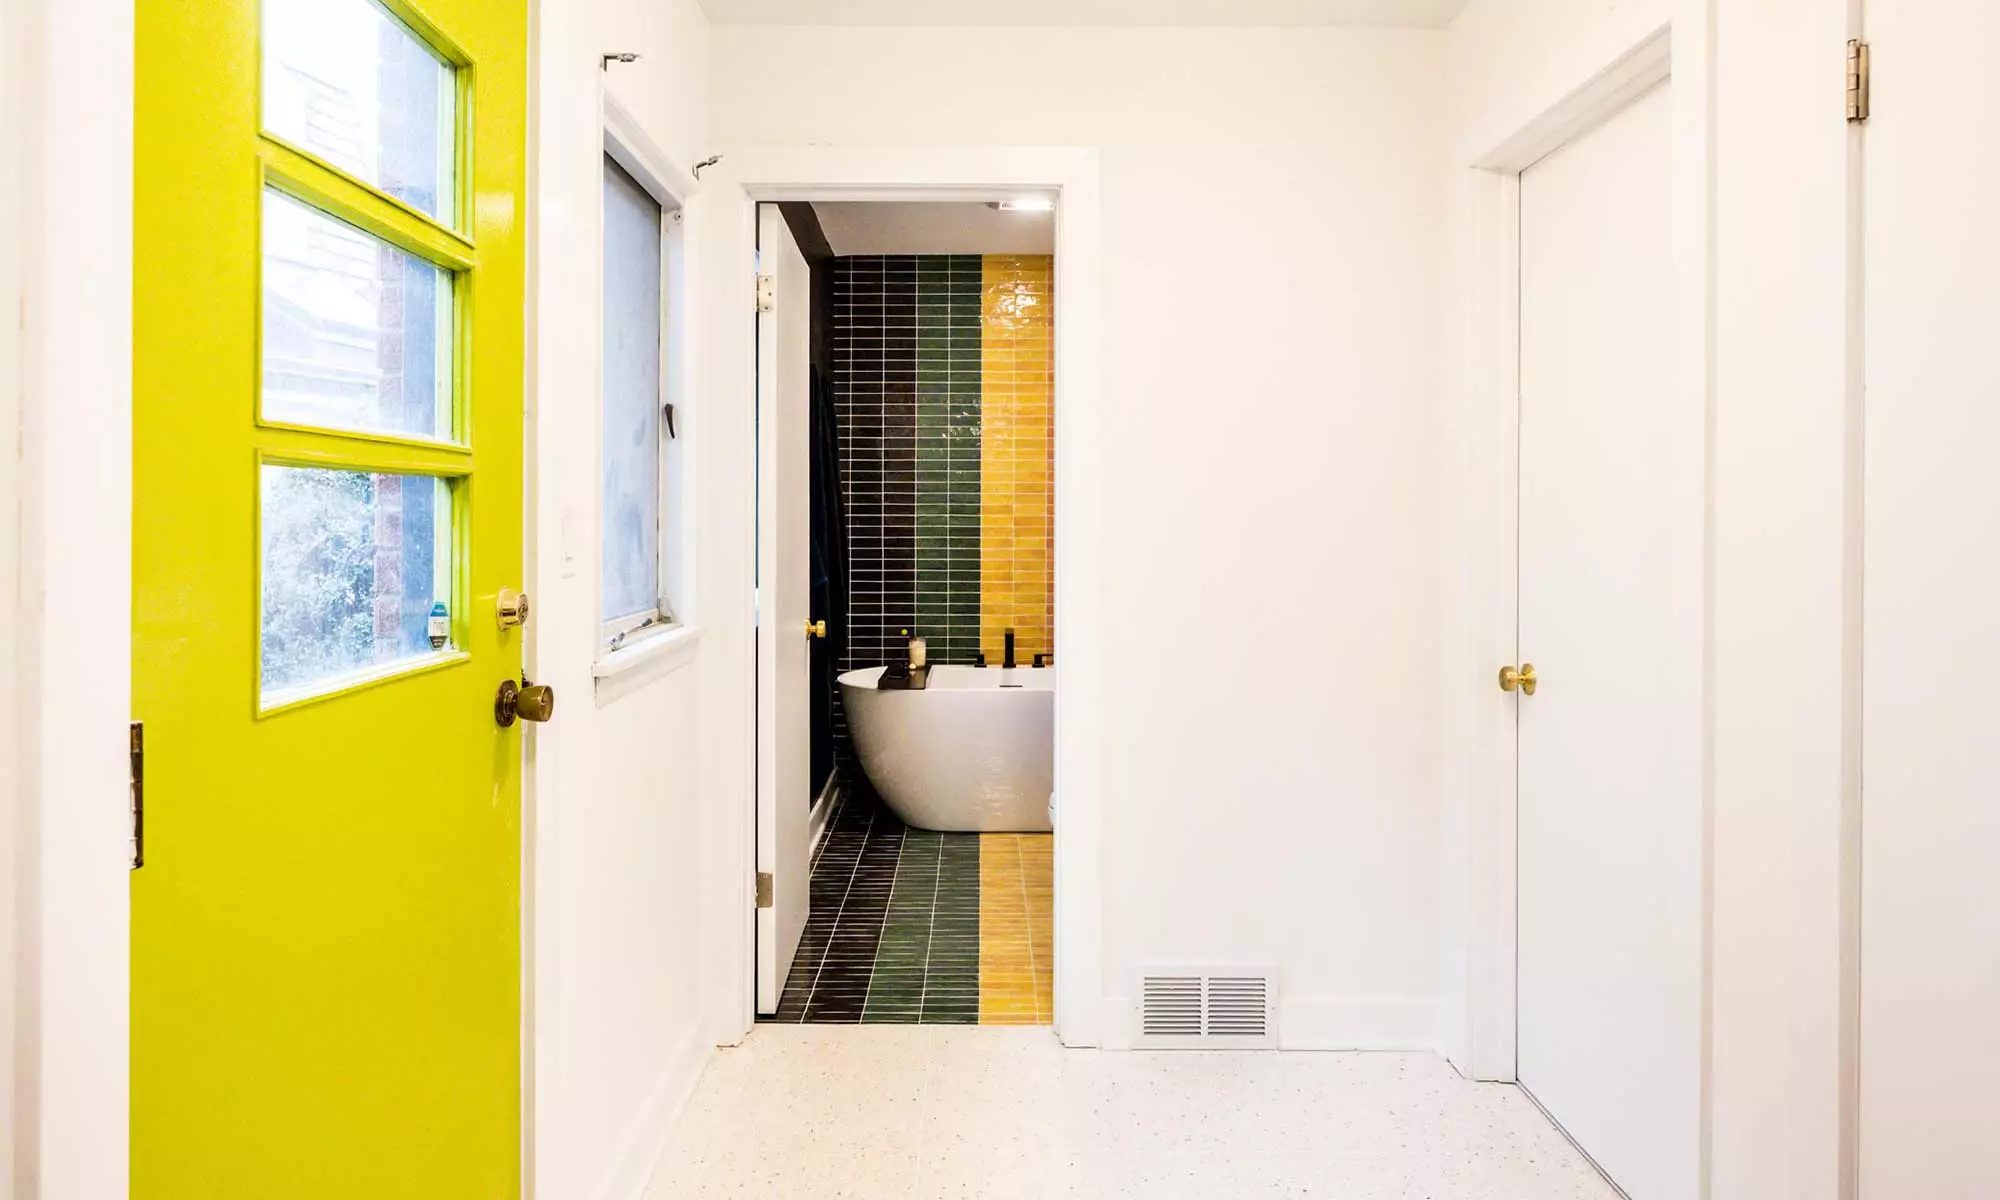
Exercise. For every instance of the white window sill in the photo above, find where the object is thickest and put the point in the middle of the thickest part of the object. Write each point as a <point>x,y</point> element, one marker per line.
<point>643,659</point>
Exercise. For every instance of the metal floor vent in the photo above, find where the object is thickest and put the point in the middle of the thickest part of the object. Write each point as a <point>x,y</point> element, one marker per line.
<point>1207,1008</point>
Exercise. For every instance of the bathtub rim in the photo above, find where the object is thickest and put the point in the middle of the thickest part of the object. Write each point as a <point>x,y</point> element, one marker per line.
<point>870,678</point>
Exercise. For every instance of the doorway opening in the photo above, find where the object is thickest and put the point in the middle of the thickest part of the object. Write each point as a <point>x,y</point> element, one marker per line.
<point>906,524</point>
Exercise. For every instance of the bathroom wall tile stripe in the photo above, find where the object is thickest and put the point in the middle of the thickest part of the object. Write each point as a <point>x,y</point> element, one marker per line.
<point>948,455</point>
<point>874,386</point>
<point>1017,527</point>
<point>875,392</point>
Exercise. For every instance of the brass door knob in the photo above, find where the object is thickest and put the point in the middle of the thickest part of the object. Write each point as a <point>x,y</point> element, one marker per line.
<point>1524,679</point>
<point>512,607</point>
<point>815,629</point>
<point>523,701</point>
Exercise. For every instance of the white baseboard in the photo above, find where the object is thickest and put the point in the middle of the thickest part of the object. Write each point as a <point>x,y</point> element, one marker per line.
<point>1117,1023</point>
<point>1344,1023</point>
<point>1319,1023</point>
<point>822,815</point>
<point>646,1142</point>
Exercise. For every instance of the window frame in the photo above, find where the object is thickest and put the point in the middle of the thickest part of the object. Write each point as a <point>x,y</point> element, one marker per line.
<point>626,144</point>
<point>457,218</point>
<point>445,242</point>
<point>454,543</point>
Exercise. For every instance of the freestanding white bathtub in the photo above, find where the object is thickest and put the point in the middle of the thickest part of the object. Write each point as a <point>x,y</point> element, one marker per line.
<point>974,752</point>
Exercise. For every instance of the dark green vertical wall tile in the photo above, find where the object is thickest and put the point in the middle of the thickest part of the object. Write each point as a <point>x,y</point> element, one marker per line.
<point>948,454</point>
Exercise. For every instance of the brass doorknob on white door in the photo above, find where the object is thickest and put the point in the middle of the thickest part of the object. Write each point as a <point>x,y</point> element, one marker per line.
<point>815,629</point>
<point>1523,679</point>
<point>512,607</point>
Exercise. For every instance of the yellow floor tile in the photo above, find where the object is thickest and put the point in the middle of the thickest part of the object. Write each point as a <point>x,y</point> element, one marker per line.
<point>1016,929</point>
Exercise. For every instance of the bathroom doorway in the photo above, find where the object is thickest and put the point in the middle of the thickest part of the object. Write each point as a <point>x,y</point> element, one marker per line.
<point>906,642</point>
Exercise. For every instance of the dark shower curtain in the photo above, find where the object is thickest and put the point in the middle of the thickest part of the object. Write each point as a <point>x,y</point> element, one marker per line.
<point>829,577</point>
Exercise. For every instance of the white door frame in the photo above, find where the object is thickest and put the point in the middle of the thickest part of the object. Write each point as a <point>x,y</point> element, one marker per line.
<point>1607,79</point>
<point>726,369</point>
<point>69,70</point>
<point>12,171</point>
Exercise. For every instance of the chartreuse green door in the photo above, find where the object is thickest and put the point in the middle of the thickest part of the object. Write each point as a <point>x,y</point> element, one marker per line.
<point>326,966</point>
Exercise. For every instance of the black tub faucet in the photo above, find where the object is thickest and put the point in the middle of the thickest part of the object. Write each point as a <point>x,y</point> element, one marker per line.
<point>1007,656</point>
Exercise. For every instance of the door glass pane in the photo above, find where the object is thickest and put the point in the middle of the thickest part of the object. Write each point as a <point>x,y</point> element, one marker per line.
<point>347,82</point>
<point>357,333</point>
<point>354,565</point>
<point>631,397</point>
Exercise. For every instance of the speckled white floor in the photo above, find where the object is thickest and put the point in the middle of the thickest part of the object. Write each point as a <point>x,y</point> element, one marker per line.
<point>938,1111</point>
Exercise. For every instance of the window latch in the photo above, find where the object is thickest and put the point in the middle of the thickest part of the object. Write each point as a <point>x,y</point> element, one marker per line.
<point>668,411</point>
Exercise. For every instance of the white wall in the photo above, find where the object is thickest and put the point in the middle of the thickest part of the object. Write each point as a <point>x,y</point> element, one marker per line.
<point>1271,466</point>
<point>618,1039</point>
<point>75,643</point>
<point>13,105</point>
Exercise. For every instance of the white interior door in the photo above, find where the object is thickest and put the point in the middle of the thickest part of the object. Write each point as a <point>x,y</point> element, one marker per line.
<point>1610,615</point>
<point>784,550</point>
<point>1930,826</point>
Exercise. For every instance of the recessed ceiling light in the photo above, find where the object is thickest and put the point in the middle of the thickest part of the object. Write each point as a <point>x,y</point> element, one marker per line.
<point>1025,204</point>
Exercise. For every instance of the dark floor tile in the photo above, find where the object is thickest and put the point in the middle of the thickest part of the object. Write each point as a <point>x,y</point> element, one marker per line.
<point>893,936</point>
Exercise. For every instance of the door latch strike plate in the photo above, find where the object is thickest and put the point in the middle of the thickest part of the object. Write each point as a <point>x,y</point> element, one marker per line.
<point>1858,80</point>
<point>138,778</point>
<point>763,889</point>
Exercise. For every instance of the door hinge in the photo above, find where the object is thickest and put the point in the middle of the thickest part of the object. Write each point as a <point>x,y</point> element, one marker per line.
<point>763,889</point>
<point>1857,81</point>
<point>767,293</point>
<point>138,752</point>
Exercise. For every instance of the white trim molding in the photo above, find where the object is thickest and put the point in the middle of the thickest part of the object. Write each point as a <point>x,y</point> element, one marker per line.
<point>74,233</point>
<point>1358,1023</point>
<point>645,1140</point>
<point>745,176</point>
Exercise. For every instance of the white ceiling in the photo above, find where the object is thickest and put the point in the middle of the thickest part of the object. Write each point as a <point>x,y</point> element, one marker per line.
<point>1420,13</point>
<point>934,228</point>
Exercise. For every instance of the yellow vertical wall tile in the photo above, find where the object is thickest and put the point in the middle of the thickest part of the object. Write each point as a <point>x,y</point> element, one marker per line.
<point>1017,455</point>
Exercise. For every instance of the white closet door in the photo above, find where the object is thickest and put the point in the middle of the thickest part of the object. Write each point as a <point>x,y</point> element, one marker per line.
<point>1610,615</point>
<point>1930,852</point>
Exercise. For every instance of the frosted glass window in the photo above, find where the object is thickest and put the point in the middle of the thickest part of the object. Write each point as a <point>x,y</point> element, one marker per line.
<point>355,565</point>
<point>632,325</point>
<point>357,333</point>
<point>347,82</point>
